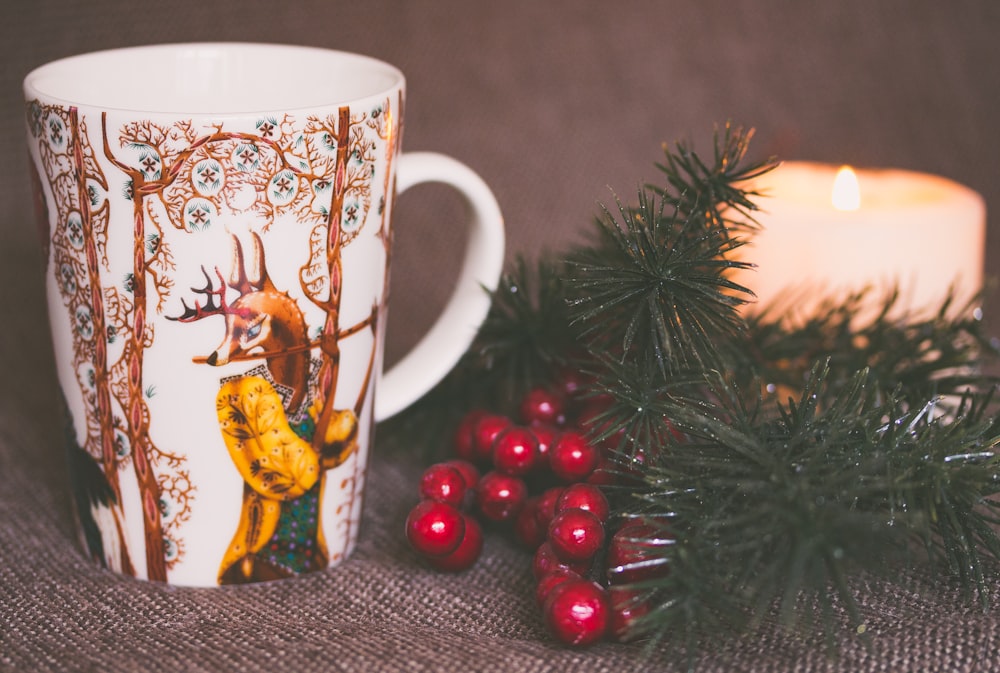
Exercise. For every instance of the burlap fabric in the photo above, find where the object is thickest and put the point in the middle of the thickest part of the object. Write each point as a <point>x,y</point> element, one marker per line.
<point>551,103</point>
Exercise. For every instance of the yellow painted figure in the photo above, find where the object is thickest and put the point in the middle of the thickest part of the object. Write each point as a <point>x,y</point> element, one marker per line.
<point>280,530</point>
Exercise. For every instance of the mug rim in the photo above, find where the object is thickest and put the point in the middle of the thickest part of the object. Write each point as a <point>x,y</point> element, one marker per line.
<point>60,81</point>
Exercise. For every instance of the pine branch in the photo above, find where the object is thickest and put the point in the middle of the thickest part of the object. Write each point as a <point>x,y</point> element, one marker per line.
<point>715,194</point>
<point>779,510</point>
<point>631,420</point>
<point>827,449</point>
<point>946,470</point>
<point>943,353</point>
<point>769,502</point>
<point>527,338</point>
<point>656,290</point>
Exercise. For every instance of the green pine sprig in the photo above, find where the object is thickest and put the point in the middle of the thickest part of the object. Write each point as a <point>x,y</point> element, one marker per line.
<point>782,510</point>
<point>762,507</point>
<point>946,472</point>
<point>715,193</point>
<point>656,289</point>
<point>527,338</point>
<point>775,460</point>
<point>943,352</point>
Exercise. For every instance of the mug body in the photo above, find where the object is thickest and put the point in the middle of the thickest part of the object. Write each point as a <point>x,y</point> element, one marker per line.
<point>216,226</point>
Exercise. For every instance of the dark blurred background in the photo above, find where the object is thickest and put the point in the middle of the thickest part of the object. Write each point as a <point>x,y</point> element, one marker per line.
<point>556,104</point>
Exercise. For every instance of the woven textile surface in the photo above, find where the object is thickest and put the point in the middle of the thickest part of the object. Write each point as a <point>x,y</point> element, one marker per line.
<point>552,103</point>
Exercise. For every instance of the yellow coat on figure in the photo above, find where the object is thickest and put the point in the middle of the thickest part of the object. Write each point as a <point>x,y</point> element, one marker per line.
<point>283,475</point>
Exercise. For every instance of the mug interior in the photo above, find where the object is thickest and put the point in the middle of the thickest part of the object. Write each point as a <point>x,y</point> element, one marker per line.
<point>212,78</point>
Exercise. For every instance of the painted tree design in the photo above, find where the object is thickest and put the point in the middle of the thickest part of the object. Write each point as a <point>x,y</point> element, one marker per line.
<point>179,177</point>
<point>110,382</point>
<point>320,173</point>
<point>385,123</point>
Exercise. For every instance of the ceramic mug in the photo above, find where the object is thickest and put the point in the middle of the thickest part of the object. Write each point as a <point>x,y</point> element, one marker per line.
<point>216,222</point>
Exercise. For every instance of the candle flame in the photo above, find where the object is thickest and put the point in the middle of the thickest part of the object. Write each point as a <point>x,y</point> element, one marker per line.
<point>846,193</point>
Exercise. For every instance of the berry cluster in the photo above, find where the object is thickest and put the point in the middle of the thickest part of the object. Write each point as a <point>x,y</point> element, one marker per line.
<point>437,527</point>
<point>541,480</point>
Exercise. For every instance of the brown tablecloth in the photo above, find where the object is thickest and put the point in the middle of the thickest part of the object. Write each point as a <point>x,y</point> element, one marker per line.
<point>551,103</point>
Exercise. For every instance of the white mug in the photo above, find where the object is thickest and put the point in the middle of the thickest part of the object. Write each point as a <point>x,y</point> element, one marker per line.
<point>216,222</point>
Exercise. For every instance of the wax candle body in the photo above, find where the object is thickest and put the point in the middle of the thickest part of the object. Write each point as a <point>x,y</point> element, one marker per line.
<point>919,233</point>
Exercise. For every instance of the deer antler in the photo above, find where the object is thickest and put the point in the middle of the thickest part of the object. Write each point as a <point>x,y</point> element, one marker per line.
<point>238,277</point>
<point>211,307</point>
<point>258,279</point>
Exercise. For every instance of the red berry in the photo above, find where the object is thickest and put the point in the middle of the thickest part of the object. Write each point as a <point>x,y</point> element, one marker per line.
<point>591,423</point>
<point>485,432</point>
<point>550,581</point>
<point>627,606</point>
<point>526,528</point>
<point>464,440</point>
<point>576,535</point>
<point>443,483</point>
<point>515,451</point>
<point>633,556</point>
<point>610,443</point>
<point>605,474</point>
<point>573,458</point>
<point>546,508</point>
<point>546,436</point>
<point>572,382</point>
<point>467,552</point>
<point>584,496</point>
<point>500,496</point>
<point>469,472</point>
<point>576,612</point>
<point>435,528</point>
<point>543,406</point>
<point>545,561</point>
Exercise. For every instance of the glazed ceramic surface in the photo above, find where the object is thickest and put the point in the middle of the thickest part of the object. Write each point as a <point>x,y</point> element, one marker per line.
<point>216,221</point>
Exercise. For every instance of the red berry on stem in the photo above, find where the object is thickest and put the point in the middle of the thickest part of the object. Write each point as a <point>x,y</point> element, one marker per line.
<point>576,612</point>
<point>485,432</point>
<point>584,496</point>
<point>627,606</point>
<point>591,423</point>
<point>546,436</point>
<point>633,556</point>
<point>443,483</point>
<point>546,508</point>
<point>572,382</point>
<point>576,535</point>
<point>545,561</point>
<point>605,474</point>
<point>464,439</point>
<point>469,472</point>
<point>435,528</point>
<point>467,552</point>
<point>550,581</point>
<point>573,458</point>
<point>515,451</point>
<point>542,405</point>
<point>526,528</point>
<point>500,496</point>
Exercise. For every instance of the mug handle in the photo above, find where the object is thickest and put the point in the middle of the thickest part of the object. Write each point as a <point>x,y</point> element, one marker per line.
<point>451,335</point>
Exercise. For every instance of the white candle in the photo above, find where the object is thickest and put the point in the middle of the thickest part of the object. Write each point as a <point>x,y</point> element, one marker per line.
<point>920,233</point>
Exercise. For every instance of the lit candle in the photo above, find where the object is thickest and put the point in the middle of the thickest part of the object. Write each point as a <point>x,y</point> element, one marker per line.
<point>826,233</point>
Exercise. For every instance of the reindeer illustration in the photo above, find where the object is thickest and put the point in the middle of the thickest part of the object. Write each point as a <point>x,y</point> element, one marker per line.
<point>267,419</point>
